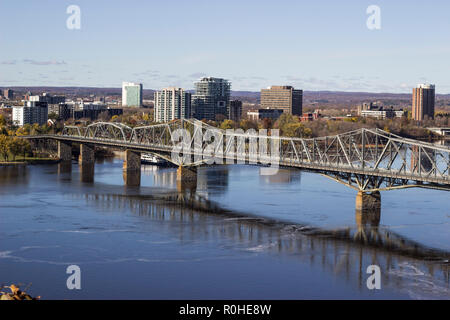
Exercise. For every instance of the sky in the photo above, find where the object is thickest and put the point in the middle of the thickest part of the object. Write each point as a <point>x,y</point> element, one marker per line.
<point>311,45</point>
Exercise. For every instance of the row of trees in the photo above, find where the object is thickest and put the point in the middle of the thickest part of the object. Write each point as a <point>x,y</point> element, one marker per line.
<point>291,126</point>
<point>13,146</point>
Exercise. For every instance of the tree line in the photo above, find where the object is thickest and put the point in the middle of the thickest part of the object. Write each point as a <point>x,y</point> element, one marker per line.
<point>13,146</point>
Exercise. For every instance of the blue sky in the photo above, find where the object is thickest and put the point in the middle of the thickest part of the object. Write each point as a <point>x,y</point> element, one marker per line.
<point>312,45</point>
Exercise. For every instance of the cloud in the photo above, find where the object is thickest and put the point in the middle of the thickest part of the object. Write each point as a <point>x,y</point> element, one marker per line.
<point>151,74</point>
<point>197,75</point>
<point>44,63</point>
<point>9,62</point>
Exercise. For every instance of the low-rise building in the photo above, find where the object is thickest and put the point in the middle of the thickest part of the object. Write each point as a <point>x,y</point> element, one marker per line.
<point>311,116</point>
<point>63,111</point>
<point>382,113</point>
<point>49,99</point>
<point>256,115</point>
<point>93,114</point>
<point>368,107</point>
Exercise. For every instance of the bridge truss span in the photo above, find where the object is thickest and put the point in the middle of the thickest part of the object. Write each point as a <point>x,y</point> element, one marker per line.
<point>365,159</point>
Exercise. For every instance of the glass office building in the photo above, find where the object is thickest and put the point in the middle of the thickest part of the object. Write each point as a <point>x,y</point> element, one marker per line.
<point>211,98</point>
<point>131,94</point>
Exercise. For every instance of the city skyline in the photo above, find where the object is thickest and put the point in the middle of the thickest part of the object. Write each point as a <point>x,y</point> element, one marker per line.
<point>315,47</point>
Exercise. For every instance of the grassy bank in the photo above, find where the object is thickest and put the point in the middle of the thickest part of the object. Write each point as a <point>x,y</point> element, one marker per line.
<point>27,160</point>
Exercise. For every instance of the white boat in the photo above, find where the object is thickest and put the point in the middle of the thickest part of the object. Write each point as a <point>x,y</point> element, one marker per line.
<point>147,158</point>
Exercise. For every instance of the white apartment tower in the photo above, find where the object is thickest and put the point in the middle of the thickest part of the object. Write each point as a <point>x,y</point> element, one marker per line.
<point>32,112</point>
<point>172,103</point>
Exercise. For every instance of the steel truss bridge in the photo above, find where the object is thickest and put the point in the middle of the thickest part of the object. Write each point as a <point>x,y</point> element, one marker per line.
<point>366,159</point>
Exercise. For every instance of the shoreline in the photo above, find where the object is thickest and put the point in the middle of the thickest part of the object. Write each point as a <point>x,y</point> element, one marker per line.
<point>29,162</point>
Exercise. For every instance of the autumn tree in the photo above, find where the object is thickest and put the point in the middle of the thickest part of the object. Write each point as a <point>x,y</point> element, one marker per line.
<point>4,146</point>
<point>227,124</point>
<point>15,147</point>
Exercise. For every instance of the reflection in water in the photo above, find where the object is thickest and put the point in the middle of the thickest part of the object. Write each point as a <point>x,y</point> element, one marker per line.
<point>213,179</point>
<point>166,223</point>
<point>162,178</point>
<point>282,176</point>
<point>216,179</point>
<point>342,252</point>
<point>132,178</point>
<point>13,175</point>
<point>87,172</point>
<point>65,168</point>
<point>368,220</point>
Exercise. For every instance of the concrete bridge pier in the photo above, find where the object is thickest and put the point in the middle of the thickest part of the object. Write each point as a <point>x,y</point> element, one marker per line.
<point>87,155</point>
<point>65,151</point>
<point>86,162</point>
<point>368,208</point>
<point>368,213</point>
<point>186,179</point>
<point>132,168</point>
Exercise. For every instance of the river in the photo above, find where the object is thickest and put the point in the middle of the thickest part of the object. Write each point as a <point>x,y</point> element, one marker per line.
<point>237,235</point>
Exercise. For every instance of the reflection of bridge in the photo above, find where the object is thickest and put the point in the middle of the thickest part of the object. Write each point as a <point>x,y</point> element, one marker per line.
<point>368,160</point>
<point>342,251</point>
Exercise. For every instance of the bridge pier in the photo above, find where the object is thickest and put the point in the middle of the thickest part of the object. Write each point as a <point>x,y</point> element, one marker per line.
<point>186,178</point>
<point>132,168</point>
<point>368,202</point>
<point>65,151</point>
<point>87,155</point>
<point>86,161</point>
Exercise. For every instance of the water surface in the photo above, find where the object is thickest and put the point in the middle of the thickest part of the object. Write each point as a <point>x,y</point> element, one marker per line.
<point>236,235</point>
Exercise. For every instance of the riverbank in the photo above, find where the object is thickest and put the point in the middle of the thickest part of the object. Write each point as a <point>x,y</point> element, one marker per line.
<point>29,161</point>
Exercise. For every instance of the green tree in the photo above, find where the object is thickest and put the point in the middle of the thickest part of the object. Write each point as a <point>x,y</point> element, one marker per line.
<point>15,147</point>
<point>247,124</point>
<point>4,146</point>
<point>25,147</point>
<point>227,124</point>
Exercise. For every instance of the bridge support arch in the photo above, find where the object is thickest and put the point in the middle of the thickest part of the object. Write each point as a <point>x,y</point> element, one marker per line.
<point>132,168</point>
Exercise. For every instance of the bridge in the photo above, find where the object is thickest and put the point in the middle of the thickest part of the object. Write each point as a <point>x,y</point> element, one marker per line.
<point>367,160</point>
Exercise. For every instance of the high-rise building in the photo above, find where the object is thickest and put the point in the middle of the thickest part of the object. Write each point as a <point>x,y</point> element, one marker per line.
<point>171,104</point>
<point>32,112</point>
<point>423,102</point>
<point>235,112</point>
<point>8,93</point>
<point>211,98</point>
<point>131,94</point>
<point>284,98</point>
